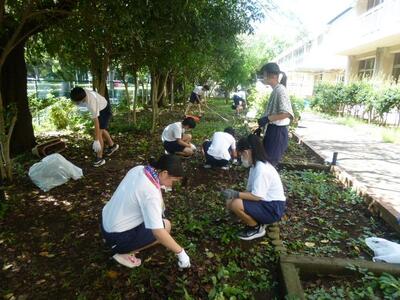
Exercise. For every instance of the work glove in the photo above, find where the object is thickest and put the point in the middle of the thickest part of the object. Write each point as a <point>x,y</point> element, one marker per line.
<point>96,146</point>
<point>235,162</point>
<point>230,194</point>
<point>262,121</point>
<point>183,259</point>
<point>258,131</point>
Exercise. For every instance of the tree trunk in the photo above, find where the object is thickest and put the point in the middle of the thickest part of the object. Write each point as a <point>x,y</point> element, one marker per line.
<point>135,94</point>
<point>154,100</point>
<point>172,92</point>
<point>14,91</point>
<point>127,98</point>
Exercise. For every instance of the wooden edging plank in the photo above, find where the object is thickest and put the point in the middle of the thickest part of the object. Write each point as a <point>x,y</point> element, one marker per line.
<point>291,280</point>
<point>337,266</point>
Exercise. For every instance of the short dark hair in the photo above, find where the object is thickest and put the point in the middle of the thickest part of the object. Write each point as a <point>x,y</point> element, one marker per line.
<point>206,87</point>
<point>77,94</point>
<point>253,143</point>
<point>230,130</point>
<point>168,162</point>
<point>190,122</point>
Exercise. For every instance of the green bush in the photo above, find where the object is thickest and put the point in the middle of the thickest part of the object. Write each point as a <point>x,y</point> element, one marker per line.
<point>64,115</point>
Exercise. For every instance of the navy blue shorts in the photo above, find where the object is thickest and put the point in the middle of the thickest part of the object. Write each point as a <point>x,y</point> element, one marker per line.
<point>265,212</point>
<point>173,147</point>
<point>127,241</point>
<point>275,142</point>
<point>105,116</point>
<point>211,160</point>
<point>194,98</point>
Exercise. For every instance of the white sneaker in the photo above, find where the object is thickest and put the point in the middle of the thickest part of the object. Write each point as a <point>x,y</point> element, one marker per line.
<point>207,166</point>
<point>250,233</point>
<point>225,168</point>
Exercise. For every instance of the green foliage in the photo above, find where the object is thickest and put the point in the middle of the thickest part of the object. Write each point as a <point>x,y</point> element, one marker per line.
<point>338,98</point>
<point>257,100</point>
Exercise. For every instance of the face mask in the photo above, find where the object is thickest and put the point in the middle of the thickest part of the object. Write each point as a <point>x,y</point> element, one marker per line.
<point>245,162</point>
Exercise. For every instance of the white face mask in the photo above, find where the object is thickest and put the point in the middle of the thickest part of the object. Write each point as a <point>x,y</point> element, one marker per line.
<point>245,162</point>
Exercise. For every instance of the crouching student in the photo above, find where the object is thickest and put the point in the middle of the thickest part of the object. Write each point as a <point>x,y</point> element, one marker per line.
<point>264,201</point>
<point>175,140</point>
<point>133,219</point>
<point>220,150</point>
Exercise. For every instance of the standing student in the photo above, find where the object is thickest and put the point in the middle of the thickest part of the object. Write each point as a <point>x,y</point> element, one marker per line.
<point>195,97</point>
<point>221,149</point>
<point>133,219</point>
<point>100,110</point>
<point>176,141</point>
<point>277,115</point>
<point>264,201</point>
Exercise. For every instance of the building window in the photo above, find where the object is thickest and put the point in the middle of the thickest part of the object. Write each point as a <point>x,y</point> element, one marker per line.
<point>373,3</point>
<point>396,68</point>
<point>366,68</point>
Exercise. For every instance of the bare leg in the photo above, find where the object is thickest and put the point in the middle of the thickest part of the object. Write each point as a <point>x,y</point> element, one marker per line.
<point>107,138</point>
<point>236,205</point>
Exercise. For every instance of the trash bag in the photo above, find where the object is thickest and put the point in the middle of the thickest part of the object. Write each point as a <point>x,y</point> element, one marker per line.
<point>52,171</point>
<point>384,250</point>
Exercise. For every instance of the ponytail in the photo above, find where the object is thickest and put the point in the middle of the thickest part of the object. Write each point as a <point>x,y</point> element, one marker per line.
<point>283,79</point>
<point>170,163</point>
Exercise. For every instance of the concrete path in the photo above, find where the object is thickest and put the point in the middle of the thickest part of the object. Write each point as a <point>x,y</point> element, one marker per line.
<point>361,153</point>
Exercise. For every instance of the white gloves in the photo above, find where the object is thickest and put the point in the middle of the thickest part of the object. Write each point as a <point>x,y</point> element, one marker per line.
<point>96,146</point>
<point>183,259</point>
<point>193,147</point>
<point>235,161</point>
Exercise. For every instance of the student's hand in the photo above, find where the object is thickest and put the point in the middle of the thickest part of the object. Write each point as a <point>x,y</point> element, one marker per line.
<point>96,146</point>
<point>193,147</point>
<point>235,162</point>
<point>230,194</point>
<point>183,259</point>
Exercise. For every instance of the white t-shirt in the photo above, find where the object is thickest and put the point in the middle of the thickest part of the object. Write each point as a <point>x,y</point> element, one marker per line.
<point>265,182</point>
<point>198,90</point>
<point>220,144</point>
<point>172,132</point>
<point>94,102</point>
<point>242,94</point>
<point>135,201</point>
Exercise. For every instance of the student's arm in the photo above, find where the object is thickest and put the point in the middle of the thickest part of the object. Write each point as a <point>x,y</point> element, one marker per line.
<point>234,153</point>
<point>182,143</point>
<point>164,238</point>
<point>97,134</point>
<point>248,196</point>
<point>277,117</point>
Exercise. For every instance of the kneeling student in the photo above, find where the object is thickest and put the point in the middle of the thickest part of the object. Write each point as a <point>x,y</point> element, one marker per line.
<point>221,149</point>
<point>264,201</point>
<point>133,219</point>
<point>175,140</point>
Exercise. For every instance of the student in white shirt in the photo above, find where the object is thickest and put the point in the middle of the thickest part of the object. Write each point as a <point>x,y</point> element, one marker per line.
<point>221,149</point>
<point>100,111</point>
<point>239,101</point>
<point>264,200</point>
<point>133,219</point>
<point>195,97</point>
<point>176,141</point>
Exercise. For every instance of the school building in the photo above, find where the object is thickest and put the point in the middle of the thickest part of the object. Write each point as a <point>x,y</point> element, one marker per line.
<point>362,41</point>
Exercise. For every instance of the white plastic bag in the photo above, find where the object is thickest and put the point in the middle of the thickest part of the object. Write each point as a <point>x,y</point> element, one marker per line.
<point>52,171</point>
<point>384,250</point>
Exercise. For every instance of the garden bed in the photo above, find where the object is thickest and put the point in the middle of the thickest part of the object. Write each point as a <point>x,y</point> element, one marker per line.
<point>51,246</point>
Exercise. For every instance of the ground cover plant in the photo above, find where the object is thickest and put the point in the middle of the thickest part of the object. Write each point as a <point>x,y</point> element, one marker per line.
<point>51,244</point>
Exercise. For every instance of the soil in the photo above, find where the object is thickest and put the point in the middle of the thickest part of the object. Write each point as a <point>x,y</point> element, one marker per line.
<point>52,248</point>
